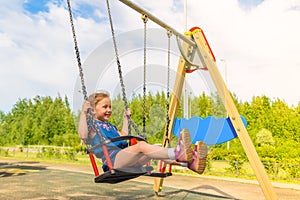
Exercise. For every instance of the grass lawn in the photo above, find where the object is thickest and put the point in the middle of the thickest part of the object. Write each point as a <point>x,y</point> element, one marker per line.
<point>216,168</point>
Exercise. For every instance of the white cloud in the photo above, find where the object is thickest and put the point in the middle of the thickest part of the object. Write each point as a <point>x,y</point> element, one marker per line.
<point>35,54</point>
<point>261,45</point>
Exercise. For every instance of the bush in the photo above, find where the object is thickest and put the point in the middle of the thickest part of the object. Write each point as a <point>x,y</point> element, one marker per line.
<point>70,155</point>
<point>6,152</point>
<point>236,163</point>
<point>80,149</point>
<point>218,154</point>
<point>270,165</point>
<point>291,166</point>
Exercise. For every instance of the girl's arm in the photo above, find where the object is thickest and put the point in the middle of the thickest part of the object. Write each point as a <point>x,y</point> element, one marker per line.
<point>124,131</point>
<point>82,125</point>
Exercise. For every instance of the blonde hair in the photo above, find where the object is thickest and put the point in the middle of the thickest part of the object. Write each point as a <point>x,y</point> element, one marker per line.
<point>97,97</point>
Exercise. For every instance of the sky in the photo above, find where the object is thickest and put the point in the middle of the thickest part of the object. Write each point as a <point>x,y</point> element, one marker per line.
<point>256,44</point>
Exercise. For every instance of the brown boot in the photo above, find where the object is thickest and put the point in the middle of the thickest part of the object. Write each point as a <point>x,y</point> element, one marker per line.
<point>199,158</point>
<point>183,150</point>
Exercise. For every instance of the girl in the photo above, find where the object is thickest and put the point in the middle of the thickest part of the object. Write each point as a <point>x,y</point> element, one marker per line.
<point>139,154</point>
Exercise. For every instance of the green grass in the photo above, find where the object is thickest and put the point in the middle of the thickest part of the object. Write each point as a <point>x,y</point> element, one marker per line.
<point>32,156</point>
<point>217,168</point>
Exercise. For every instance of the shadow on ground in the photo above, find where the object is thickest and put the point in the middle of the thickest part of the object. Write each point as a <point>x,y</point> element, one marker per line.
<point>25,181</point>
<point>194,191</point>
<point>18,168</point>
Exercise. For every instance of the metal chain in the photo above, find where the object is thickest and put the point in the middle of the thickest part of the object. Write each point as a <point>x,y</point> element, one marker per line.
<point>89,116</point>
<point>169,33</point>
<point>131,123</point>
<point>117,56</point>
<point>77,52</point>
<point>92,127</point>
<point>145,19</point>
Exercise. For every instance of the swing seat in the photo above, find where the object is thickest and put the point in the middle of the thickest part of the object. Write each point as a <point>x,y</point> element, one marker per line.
<point>159,174</point>
<point>122,174</point>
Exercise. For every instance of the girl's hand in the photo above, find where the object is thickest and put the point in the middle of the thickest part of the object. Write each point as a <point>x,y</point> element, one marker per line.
<point>127,113</point>
<point>85,106</point>
<point>125,122</point>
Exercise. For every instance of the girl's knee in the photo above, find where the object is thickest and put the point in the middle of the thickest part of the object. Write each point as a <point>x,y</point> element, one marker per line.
<point>142,144</point>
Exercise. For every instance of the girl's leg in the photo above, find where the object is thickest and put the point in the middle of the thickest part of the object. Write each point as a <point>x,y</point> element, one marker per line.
<point>142,161</point>
<point>136,153</point>
<point>132,154</point>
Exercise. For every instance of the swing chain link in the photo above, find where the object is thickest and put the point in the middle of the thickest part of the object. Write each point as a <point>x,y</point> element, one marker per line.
<point>167,141</point>
<point>130,122</point>
<point>145,19</point>
<point>89,115</point>
<point>77,51</point>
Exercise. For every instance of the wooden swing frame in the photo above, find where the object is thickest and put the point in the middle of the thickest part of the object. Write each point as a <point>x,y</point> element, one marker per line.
<point>195,40</point>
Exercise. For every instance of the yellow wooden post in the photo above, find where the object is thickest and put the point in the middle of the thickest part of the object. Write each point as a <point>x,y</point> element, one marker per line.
<point>257,166</point>
<point>174,103</point>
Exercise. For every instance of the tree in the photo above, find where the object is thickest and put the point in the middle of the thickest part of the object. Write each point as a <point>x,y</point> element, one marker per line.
<point>2,116</point>
<point>202,106</point>
<point>38,121</point>
<point>157,120</point>
<point>3,128</point>
<point>264,137</point>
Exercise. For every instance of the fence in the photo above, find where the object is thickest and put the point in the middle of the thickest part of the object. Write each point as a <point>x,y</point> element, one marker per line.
<point>40,151</point>
<point>275,170</point>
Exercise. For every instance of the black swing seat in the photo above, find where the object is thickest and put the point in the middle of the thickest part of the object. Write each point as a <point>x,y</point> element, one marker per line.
<point>122,174</point>
<point>159,174</point>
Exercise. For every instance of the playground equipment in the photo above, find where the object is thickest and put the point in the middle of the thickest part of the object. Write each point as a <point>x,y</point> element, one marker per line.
<point>194,42</point>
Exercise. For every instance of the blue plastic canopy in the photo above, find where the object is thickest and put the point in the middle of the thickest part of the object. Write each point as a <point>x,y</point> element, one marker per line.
<point>210,130</point>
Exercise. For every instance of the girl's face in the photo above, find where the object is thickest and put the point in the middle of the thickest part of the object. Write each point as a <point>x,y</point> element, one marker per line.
<point>103,109</point>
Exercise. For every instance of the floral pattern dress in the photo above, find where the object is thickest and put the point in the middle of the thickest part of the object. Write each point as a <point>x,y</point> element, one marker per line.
<point>108,131</point>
